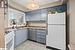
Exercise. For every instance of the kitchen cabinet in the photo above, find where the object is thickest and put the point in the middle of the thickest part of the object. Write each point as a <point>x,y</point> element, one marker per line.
<point>21,35</point>
<point>44,14</point>
<point>33,16</point>
<point>32,34</point>
<point>37,15</point>
<point>38,35</point>
<point>41,36</point>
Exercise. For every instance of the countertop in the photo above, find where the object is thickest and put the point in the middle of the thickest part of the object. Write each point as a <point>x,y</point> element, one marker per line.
<point>23,27</point>
<point>36,27</point>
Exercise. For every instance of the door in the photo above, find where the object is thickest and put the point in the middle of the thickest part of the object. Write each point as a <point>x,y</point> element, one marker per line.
<point>56,37</point>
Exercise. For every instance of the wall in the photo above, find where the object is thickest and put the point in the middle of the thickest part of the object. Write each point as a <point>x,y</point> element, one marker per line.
<point>72,23</point>
<point>2,28</point>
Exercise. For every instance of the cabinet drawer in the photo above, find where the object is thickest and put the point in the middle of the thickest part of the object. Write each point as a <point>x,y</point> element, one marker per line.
<point>41,36</point>
<point>41,33</point>
<point>41,40</point>
<point>41,30</point>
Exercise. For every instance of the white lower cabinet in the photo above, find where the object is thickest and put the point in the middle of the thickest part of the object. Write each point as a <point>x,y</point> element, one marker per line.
<point>21,35</point>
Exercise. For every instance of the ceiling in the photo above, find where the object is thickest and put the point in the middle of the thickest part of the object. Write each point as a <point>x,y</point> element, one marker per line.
<point>41,3</point>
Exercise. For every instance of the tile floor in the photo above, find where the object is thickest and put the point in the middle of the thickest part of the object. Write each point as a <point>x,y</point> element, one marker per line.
<point>29,45</point>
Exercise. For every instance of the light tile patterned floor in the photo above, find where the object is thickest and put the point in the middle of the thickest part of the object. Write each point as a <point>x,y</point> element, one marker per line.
<point>29,45</point>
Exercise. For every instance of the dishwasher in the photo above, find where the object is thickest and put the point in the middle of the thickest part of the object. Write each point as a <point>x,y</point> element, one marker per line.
<point>9,41</point>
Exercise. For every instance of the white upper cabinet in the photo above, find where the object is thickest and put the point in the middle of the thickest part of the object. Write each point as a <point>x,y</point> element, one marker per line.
<point>58,18</point>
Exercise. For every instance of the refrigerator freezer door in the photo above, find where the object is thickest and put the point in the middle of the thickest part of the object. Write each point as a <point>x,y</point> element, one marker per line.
<point>56,36</point>
<point>58,18</point>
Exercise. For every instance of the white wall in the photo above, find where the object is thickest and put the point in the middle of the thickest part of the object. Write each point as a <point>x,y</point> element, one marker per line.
<point>2,28</point>
<point>72,23</point>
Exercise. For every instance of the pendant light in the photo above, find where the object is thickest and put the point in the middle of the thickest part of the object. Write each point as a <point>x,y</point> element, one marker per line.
<point>32,5</point>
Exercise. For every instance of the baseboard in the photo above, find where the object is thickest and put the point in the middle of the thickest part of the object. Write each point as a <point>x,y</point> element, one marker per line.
<point>37,42</point>
<point>19,44</point>
<point>32,40</point>
<point>52,48</point>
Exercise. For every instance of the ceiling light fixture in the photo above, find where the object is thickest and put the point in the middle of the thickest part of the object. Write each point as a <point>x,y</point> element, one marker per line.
<point>32,5</point>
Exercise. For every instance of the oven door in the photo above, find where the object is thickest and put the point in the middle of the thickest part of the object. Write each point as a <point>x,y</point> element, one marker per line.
<point>9,41</point>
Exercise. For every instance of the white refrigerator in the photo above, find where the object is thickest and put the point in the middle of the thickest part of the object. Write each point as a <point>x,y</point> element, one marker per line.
<point>56,37</point>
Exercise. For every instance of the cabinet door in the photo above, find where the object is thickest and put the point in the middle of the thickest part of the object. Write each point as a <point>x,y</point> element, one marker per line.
<point>37,15</point>
<point>43,14</point>
<point>32,34</point>
<point>21,36</point>
<point>56,36</point>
